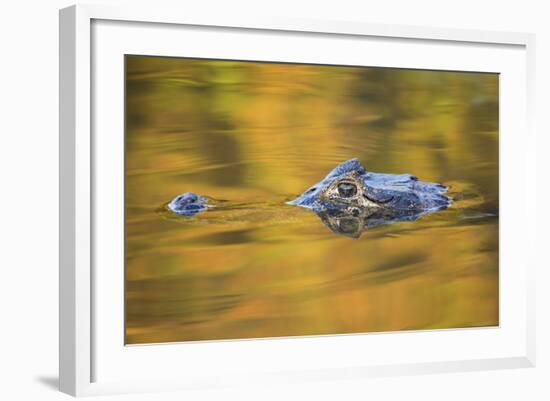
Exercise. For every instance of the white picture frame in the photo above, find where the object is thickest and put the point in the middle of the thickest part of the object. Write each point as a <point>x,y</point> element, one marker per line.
<point>86,350</point>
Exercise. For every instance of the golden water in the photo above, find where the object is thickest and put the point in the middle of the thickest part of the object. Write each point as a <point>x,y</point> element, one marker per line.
<point>259,134</point>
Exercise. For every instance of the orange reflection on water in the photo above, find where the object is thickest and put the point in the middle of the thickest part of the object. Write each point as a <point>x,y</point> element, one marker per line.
<point>258,134</point>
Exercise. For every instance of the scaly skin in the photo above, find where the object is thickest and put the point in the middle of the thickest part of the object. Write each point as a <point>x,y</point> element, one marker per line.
<point>188,204</point>
<point>350,188</point>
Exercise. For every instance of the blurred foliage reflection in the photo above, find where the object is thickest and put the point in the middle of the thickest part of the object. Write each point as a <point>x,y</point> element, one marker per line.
<point>259,134</point>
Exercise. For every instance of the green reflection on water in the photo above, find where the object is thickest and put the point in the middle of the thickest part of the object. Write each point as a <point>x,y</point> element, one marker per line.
<point>259,134</point>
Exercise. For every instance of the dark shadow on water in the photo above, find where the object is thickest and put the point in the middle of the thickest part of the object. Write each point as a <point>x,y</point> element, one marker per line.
<point>353,225</point>
<point>52,382</point>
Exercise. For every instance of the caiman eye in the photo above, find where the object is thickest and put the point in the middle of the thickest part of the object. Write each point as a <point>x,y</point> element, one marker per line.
<point>347,189</point>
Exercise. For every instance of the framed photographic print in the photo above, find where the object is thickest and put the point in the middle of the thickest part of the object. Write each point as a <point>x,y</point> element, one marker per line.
<point>272,200</point>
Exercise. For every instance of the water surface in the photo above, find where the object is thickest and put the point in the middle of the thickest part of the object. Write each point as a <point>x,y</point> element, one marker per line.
<point>255,135</point>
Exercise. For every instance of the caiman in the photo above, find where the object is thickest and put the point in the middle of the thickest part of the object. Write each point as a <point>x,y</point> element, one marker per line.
<point>350,199</point>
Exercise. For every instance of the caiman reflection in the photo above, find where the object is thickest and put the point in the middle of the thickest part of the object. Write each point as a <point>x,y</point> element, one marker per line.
<point>352,224</point>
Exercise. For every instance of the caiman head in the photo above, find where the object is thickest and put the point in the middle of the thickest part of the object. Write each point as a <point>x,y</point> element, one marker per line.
<point>350,188</point>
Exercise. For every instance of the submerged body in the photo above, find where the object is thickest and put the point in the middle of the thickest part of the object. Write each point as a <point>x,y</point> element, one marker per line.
<point>350,199</point>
